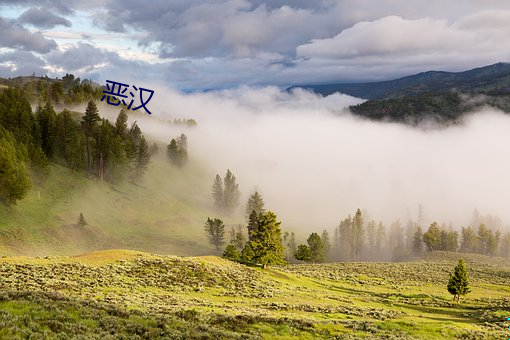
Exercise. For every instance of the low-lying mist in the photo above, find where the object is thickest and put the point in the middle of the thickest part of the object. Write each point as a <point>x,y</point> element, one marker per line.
<point>315,163</point>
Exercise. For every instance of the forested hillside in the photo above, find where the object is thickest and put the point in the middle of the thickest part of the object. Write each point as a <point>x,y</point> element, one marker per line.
<point>443,97</point>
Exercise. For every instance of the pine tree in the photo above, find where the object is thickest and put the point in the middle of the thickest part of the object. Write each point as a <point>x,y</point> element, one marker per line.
<point>255,203</point>
<point>121,127</point>
<point>143,158</point>
<point>89,122</point>
<point>237,237</point>
<point>217,193</point>
<point>357,234</point>
<point>303,253</point>
<point>418,241</point>
<point>46,118</point>
<point>231,192</point>
<point>81,221</point>
<point>231,253</point>
<point>316,247</point>
<point>345,233</point>
<point>247,254</point>
<point>432,237</point>
<point>177,151</point>
<point>67,138</point>
<point>266,241</point>
<point>458,283</point>
<point>253,225</point>
<point>215,230</point>
<point>14,175</point>
<point>470,243</point>
<point>326,243</point>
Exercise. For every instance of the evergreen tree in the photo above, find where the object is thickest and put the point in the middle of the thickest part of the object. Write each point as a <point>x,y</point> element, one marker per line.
<point>303,253</point>
<point>418,241</point>
<point>357,234</point>
<point>458,283</point>
<point>253,224</point>
<point>231,253</point>
<point>14,175</point>
<point>121,126</point>
<point>67,140</point>
<point>469,241</point>
<point>237,237</point>
<point>381,239</point>
<point>255,203</point>
<point>345,231</point>
<point>432,237</point>
<point>266,241</point>
<point>217,193</point>
<point>89,122</point>
<point>230,192</point>
<point>326,243</point>
<point>177,151</point>
<point>46,118</point>
<point>143,158</point>
<point>316,247</point>
<point>215,230</point>
<point>289,240</point>
<point>247,254</point>
<point>81,221</point>
<point>371,238</point>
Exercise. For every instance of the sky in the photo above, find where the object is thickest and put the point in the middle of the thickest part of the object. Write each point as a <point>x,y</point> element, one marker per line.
<point>194,45</point>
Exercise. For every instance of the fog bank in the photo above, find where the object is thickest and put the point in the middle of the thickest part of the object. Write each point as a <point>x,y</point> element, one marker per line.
<point>315,163</point>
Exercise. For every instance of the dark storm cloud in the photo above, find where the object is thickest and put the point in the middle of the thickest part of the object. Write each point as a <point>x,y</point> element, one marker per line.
<point>16,36</point>
<point>42,18</point>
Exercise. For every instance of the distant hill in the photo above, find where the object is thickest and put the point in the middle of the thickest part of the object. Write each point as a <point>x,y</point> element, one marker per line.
<point>439,96</point>
<point>489,79</point>
<point>493,79</point>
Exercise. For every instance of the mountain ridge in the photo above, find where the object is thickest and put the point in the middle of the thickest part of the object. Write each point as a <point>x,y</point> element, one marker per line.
<point>485,79</point>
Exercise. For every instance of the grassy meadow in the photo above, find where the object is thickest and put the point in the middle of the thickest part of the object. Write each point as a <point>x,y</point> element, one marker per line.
<point>136,295</point>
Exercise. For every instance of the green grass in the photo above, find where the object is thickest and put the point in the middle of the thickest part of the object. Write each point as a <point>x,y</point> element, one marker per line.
<point>164,212</point>
<point>140,295</point>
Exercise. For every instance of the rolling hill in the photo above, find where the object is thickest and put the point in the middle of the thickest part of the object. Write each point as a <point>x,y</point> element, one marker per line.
<point>488,79</point>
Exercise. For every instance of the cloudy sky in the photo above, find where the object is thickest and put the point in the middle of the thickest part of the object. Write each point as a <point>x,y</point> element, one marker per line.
<point>199,44</point>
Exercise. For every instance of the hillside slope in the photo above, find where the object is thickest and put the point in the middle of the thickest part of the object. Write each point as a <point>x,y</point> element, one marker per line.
<point>139,295</point>
<point>165,213</point>
<point>488,79</point>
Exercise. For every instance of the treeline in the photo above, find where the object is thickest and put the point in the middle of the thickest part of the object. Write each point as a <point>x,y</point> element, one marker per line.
<point>357,240</point>
<point>30,140</point>
<point>443,107</point>
<point>68,90</point>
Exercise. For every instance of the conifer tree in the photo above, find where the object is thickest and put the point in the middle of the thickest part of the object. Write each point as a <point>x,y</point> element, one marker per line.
<point>418,241</point>
<point>357,234</point>
<point>215,231</point>
<point>266,241</point>
<point>432,237</point>
<point>231,192</point>
<point>89,122</point>
<point>231,253</point>
<point>316,247</point>
<point>255,203</point>
<point>14,175</point>
<point>81,221</point>
<point>303,253</point>
<point>326,243</point>
<point>121,127</point>
<point>217,192</point>
<point>458,283</point>
<point>143,158</point>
